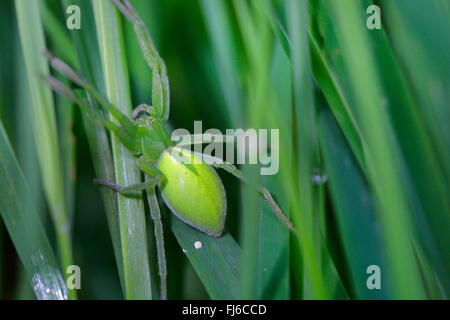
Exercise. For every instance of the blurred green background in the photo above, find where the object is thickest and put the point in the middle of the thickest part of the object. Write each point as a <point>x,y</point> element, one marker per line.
<point>364,144</point>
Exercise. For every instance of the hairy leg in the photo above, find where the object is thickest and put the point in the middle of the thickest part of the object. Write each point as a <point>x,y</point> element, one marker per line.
<point>152,178</point>
<point>190,139</point>
<point>130,189</point>
<point>72,75</point>
<point>160,80</point>
<point>219,163</point>
<point>157,222</point>
<point>79,99</point>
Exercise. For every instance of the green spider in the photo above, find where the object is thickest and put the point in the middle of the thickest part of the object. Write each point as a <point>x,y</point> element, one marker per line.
<point>190,188</point>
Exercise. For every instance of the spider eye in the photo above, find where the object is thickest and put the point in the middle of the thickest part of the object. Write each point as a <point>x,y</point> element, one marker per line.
<point>143,110</point>
<point>139,114</point>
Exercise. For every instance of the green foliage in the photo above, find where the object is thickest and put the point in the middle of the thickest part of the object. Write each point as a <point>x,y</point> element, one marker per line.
<point>25,229</point>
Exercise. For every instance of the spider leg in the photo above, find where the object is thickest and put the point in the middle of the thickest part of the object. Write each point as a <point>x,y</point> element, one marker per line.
<point>78,98</point>
<point>152,178</point>
<point>160,80</point>
<point>150,171</point>
<point>219,163</point>
<point>130,189</point>
<point>156,217</point>
<point>72,75</point>
<point>190,139</point>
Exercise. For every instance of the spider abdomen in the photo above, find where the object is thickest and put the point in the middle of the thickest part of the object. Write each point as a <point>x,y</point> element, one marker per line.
<point>193,190</point>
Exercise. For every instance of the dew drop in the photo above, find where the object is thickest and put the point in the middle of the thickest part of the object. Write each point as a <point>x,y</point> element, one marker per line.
<point>318,177</point>
<point>198,245</point>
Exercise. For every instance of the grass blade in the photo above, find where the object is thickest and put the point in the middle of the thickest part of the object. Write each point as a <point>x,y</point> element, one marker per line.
<point>331,88</point>
<point>64,48</point>
<point>383,167</point>
<point>325,75</point>
<point>424,49</point>
<point>257,53</point>
<point>25,229</point>
<point>220,32</point>
<point>44,125</point>
<point>131,210</point>
<point>87,53</point>
<point>272,269</point>
<point>304,218</point>
<point>355,210</point>
<point>217,262</point>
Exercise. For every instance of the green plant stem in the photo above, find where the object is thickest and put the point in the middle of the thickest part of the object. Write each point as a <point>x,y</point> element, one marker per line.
<point>305,219</point>
<point>131,210</point>
<point>44,125</point>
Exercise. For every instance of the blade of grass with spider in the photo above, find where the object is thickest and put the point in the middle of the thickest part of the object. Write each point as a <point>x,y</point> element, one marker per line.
<point>131,211</point>
<point>44,125</point>
<point>212,270</point>
<point>87,53</point>
<point>25,229</point>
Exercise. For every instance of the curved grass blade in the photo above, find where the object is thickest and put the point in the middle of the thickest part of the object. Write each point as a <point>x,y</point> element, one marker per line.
<point>25,228</point>
<point>131,210</point>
